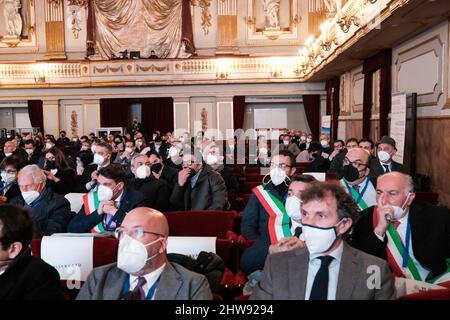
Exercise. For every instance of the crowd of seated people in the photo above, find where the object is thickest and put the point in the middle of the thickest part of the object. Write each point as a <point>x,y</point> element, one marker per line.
<point>288,223</point>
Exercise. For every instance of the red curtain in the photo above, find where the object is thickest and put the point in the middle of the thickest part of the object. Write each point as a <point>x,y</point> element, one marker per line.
<point>157,114</point>
<point>36,114</point>
<point>115,112</point>
<point>312,110</point>
<point>332,88</point>
<point>382,61</point>
<point>90,30</point>
<point>238,112</point>
<point>187,35</point>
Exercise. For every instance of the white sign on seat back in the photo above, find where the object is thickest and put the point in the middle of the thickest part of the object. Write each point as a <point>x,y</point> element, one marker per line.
<point>320,176</point>
<point>191,246</point>
<point>71,256</point>
<point>76,201</point>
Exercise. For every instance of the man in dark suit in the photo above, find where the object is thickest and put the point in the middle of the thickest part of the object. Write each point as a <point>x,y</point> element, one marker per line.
<point>10,148</point>
<point>102,159</point>
<point>162,172</point>
<point>50,211</point>
<point>115,200</point>
<point>156,192</point>
<point>383,163</point>
<point>22,276</point>
<point>34,154</point>
<point>63,140</point>
<point>145,276</point>
<point>198,187</point>
<point>327,268</point>
<point>255,223</point>
<point>159,147</point>
<point>336,162</point>
<point>9,168</point>
<point>427,225</point>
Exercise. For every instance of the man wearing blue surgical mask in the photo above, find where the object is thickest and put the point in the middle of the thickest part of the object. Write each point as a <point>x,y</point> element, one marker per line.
<point>398,222</point>
<point>142,271</point>
<point>327,268</point>
<point>104,209</point>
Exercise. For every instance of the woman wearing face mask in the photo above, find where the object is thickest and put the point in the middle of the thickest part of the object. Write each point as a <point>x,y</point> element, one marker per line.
<point>84,158</point>
<point>9,168</point>
<point>60,177</point>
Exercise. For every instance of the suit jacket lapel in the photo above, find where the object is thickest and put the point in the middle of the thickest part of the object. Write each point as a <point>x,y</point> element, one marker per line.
<point>171,281</point>
<point>298,273</point>
<point>348,273</point>
<point>114,284</point>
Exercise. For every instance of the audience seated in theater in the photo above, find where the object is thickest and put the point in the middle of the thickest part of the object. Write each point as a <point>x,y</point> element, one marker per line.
<point>338,146</point>
<point>368,145</point>
<point>50,211</point>
<point>336,162</point>
<point>142,271</point>
<point>50,142</point>
<point>384,163</point>
<point>124,158</point>
<point>102,159</point>
<point>60,178</point>
<point>231,151</point>
<point>175,155</point>
<point>22,276</point>
<point>118,145</point>
<point>63,140</point>
<point>287,145</point>
<point>307,141</point>
<point>263,159</point>
<point>9,168</point>
<point>33,152</point>
<point>83,159</point>
<point>156,192</point>
<point>428,228</point>
<point>303,156</point>
<point>213,158</point>
<point>356,178</point>
<point>318,162</point>
<point>141,144</point>
<point>198,187</point>
<point>257,223</point>
<point>159,147</point>
<point>327,268</point>
<point>162,172</point>
<point>325,143</point>
<point>115,199</point>
<point>10,149</point>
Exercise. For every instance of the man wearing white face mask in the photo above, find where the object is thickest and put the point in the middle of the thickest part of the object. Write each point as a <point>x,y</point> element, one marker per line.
<point>327,268</point>
<point>142,271</point>
<point>286,145</point>
<point>10,149</point>
<point>383,163</point>
<point>398,222</point>
<point>9,168</point>
<point>102,159</point>
<point>156,192</point>
<point>114,199</point>
<point>265,218</point>
<point>175,156</point>
<point>50,211</point>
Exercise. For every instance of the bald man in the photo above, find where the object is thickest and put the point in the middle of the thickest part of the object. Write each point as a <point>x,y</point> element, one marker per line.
<point>142,271</point>
<point>383,230</point>
<point>356,178</point>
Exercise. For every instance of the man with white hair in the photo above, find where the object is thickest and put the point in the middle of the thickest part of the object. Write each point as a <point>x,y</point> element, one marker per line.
<point>50,211</point>
<point>398,222</point>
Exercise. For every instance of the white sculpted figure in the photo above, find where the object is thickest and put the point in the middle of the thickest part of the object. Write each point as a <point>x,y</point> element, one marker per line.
<point>271,10</point>
<point>13,20</point>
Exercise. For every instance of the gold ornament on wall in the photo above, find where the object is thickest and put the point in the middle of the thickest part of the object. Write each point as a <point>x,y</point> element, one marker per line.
<point>74,123</point>
<point>206,15</point>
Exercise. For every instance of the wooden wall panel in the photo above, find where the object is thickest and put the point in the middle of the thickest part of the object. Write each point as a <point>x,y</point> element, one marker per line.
<point>353,129</point>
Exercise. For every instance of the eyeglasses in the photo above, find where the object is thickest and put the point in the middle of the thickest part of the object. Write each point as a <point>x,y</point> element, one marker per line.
<point>135,233</point>
<point>356,163</point>
<point>280,165</point>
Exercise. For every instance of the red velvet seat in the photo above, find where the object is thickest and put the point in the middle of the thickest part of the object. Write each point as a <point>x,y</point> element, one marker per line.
<point>201,223</point>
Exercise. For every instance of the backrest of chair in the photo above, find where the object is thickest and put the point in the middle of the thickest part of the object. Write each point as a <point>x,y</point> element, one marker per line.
<point>209,223</point>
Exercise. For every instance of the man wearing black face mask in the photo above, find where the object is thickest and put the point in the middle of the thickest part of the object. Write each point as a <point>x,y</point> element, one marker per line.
<point>63,140</point>
<point>356,179</point>
<point>199,187</point>
<point>319,163</point>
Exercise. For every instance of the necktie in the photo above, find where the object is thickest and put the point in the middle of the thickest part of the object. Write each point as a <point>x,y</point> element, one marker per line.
<point>386,168</point>
<point>319,289</point>
<point>138,291</point>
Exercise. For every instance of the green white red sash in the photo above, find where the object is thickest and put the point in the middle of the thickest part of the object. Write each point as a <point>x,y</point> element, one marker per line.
<point>279,220</point>
<point>368,198</point>
<point>90,201</point>
<point>99,228</point>
<point>395,250</point>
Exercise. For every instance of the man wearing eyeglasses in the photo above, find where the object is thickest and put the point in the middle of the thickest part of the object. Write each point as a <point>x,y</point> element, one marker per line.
<point>265,219</point>
<point>142,271</point>
<point>198,187</point>
<point>356,178</point>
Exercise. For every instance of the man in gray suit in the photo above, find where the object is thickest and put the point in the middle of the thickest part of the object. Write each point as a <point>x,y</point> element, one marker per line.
<point>142,271</point>
<point>328,268</point>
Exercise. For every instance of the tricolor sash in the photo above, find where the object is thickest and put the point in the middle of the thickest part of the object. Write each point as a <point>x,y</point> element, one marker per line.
<point>90,201</point>
<point>396,253</point>
<point>367,197</point>
<point>279,220</point>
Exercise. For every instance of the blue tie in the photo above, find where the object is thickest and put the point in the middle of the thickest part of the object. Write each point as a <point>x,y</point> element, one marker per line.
<point>319,289</point>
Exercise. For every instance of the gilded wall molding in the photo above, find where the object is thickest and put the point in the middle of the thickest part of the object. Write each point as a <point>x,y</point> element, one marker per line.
<point>206,14</point>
